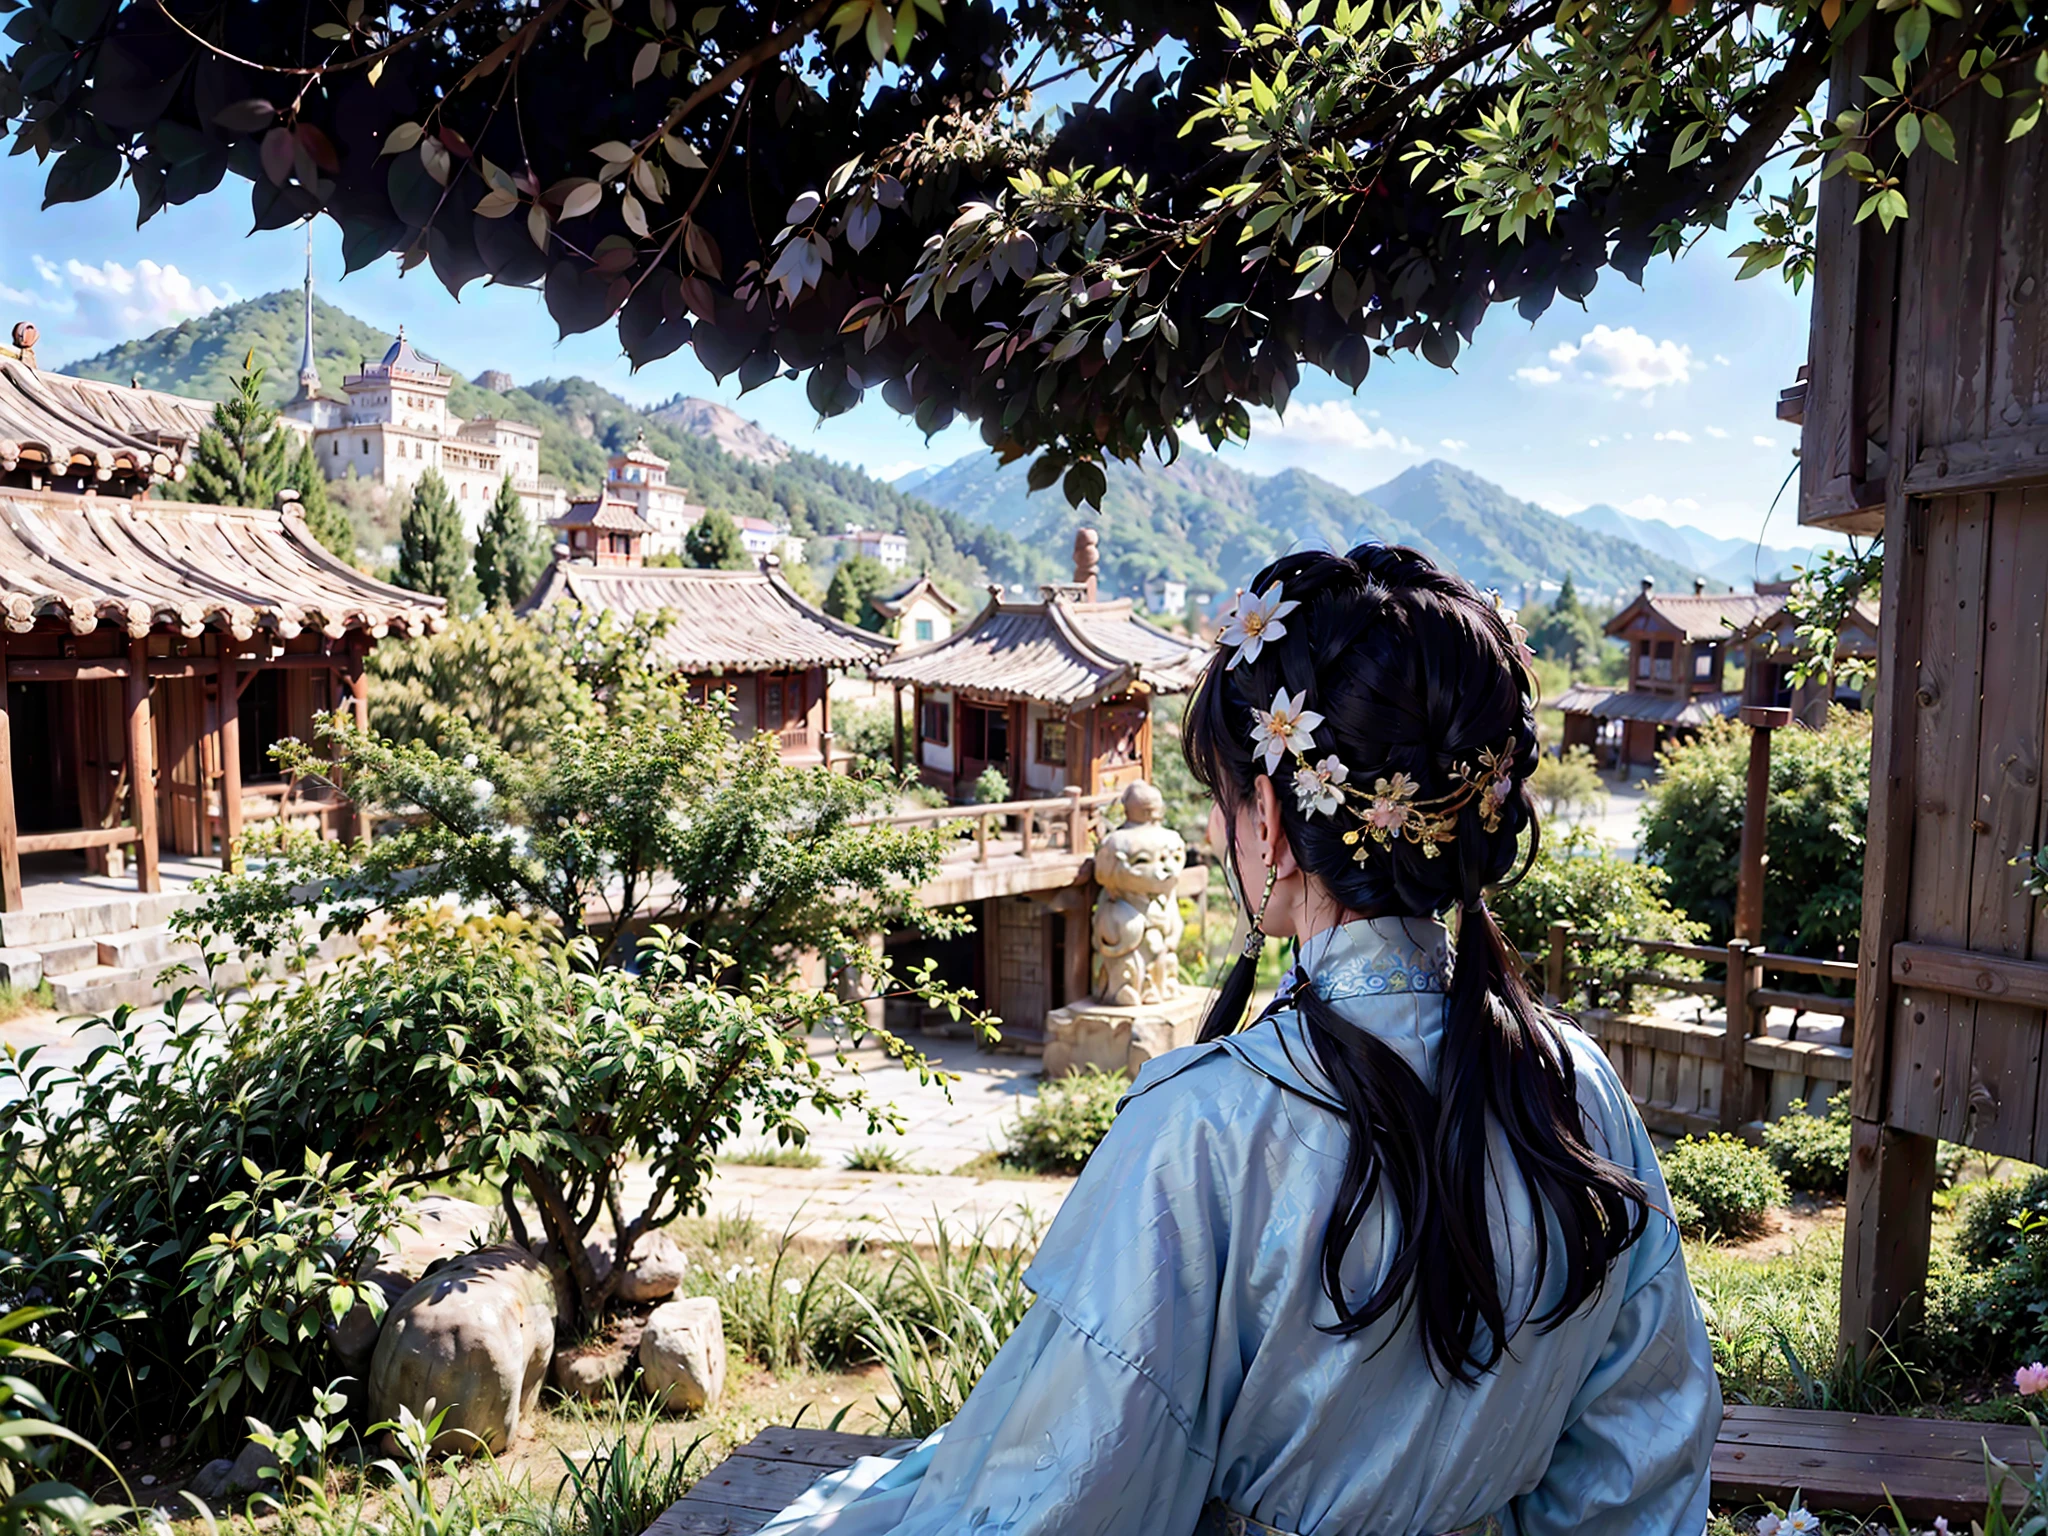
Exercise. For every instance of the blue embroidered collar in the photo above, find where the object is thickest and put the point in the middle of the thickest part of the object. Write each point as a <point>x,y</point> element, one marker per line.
<point>1377,956</point>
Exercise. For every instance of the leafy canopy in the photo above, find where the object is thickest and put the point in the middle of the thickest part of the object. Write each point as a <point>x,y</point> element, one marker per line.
<point>872,194</point>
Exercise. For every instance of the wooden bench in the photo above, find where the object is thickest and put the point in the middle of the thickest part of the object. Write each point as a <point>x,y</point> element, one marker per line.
<point>1840,1461</point>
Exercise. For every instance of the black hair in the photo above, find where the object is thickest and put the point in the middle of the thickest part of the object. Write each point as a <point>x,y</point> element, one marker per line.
<point>1414,672</point>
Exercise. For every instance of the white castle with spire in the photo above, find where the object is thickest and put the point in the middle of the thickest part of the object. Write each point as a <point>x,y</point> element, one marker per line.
<point>395,425</point>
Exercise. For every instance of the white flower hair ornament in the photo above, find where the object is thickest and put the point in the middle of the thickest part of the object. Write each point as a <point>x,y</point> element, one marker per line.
<point>1319,788</point>
<point>1516,633</point>
<point>1254,620</point>
<point>1289,726</point>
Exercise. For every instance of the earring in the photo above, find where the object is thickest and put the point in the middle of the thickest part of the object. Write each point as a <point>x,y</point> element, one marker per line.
<point>1255,941</point>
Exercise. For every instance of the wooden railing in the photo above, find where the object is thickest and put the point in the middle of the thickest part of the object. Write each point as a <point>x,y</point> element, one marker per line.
<point>1696,1076</point>
<point>1072,823</point>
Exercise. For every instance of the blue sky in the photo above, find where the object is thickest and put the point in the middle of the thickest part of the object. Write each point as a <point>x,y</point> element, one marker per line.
<point>1658,400</point>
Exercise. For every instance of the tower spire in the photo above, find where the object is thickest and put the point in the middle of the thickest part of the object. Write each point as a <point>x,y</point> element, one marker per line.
<point>309,371</point>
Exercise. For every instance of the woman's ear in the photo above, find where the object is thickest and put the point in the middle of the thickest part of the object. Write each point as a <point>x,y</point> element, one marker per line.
<point>1276,852</point>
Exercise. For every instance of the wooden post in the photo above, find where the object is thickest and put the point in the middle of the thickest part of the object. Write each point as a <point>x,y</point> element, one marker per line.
<point>10,852</point>
<point>1077,825</point>
<point>359,689</point>
<point>230,754</point>
<point>897,745</point>
<point>1735,1042</point>
<point>1557,965</point>
<point>1749,890</point>
<point>981,838</point>
<point>142,768</point>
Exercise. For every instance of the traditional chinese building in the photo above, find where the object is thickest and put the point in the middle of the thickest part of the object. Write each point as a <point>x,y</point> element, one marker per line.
<point>743,632</point>
<point>1775,652</point>
<point>639,476</point>
<point>1678,652</point>
<point>603,530</point>
<point>1052,693</point>
<point>155,651</point>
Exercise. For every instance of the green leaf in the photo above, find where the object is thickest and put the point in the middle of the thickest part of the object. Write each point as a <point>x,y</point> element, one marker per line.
<point>1911,33</point>
<point>2024,124</point>
<point>1907,132</point>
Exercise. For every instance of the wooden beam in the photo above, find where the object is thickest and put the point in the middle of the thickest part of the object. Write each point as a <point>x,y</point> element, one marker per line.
<point>80,837</point>
<point>142,770</point>
<point>2003,461</point>
<point>67,669</point>
<point>359,692</point>
<point>1971,973</point>
<point>230,757</point>
<point>10,850</point>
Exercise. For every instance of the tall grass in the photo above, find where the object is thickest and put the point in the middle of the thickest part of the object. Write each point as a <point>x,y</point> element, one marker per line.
<point>935,1323</point>
<point>624,1481</point>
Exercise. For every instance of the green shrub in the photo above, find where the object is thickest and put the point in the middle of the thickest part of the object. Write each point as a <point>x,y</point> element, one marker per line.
<point>1992,1217</point>
<point>1820,795</point>
<point>1072,1115</point>
<point>1568,787</point>
<point>1991,1316</point>
<point>1729,1182</point>
<point>1577,881</point>
<point>876,1157</point>
<point>992,787</point>
<point>1812,1151</point>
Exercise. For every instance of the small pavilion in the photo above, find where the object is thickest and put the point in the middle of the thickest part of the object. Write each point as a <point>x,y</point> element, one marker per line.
<point>746,632</point>
<point>1678,650</point>
<point>1053,693</point>
<point>155,651</point>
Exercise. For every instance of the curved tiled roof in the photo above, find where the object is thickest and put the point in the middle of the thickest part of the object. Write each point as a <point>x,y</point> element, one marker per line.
<point>1620,704</point>
<point>1698,615</point>
<point>91,560</point>
<point>1055,651</point>
<point>718,621</point>
<point>105,429</point>
<point>604,512</point>
<point>891,604</point>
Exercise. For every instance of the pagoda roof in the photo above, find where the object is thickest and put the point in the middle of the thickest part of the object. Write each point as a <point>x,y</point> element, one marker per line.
<point>1696,615</point>
<point>71,424</point>
<point>1059,650</point>
<point>146,565</point>
<point>603,512</point>
<point>890,605</point>
<point>1779,630</point>
<point>717,621</point>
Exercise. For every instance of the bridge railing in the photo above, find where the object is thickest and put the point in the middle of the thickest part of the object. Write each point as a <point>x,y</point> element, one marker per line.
<point>1068,823</point>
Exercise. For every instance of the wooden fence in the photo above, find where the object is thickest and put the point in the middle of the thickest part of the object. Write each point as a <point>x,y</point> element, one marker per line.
<point>1690,1078</point>
<point>1068,823</point>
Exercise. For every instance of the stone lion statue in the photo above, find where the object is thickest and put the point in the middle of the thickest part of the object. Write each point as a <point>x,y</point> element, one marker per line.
<point>1137,915</point>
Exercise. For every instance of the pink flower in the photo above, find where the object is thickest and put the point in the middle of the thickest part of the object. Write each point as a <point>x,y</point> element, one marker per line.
<point>1315,788</point>
<point>2032,1380</point>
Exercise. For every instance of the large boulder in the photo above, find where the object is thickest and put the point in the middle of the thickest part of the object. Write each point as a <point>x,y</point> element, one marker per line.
<point>593,1370</point>
<point>654,1271</point>
<point>473,1338</point>
<point>682,1353</point>
<point>441,1228</point>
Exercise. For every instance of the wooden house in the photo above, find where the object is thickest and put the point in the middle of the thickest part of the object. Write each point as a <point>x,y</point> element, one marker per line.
<point>1774,652</point>
<point>1924,417</point>
<point>1054,693</point>
<point>155,651</point>
<point>1678,651</point>
<point>603,530</point>
<point>744,632</point>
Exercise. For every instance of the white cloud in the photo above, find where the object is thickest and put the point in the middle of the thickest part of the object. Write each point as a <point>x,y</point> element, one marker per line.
<point>1764,442</point>
<point>1454,443</point>
<point>1721,360</point>
<point>1674,436</point>
<point>1717,431</point>
<point>1686,504</point>
<point>1625,358</point>
<point>116,302</point>
<point>1538,375</point>
<point>1326,424</point>
<point>1596,442</point>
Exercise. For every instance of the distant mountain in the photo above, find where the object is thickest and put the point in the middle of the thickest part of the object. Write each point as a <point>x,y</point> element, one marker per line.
<point>738,436</point>
<point>1213,525</point>
<point>1739,562</point>
<point>723,459</point>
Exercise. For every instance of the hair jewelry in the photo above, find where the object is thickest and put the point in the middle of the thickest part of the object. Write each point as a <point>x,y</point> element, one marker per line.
<point>1255,941</point>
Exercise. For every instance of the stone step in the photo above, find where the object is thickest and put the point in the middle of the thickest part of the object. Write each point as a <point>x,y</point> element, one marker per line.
<point>146,946</point>
<point>68,955</point>
<point>103,988</point>
<point>117,913</point>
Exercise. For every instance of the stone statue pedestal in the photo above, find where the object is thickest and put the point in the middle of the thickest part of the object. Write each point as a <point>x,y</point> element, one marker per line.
<point>1091,1033</point>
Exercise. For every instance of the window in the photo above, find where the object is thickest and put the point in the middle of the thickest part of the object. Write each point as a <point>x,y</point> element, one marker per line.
<point>1642,661</point>
<point>985,733</point>
<point>1703,662</point>
<point>935,722</point>
<point>924,631</point>
<point>783,704</point>
<point>1660,668</point>
<point>1052,743</point>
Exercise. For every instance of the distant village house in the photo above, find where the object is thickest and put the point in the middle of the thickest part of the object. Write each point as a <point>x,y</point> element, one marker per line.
<point>638,476</point>
<point>917,614</point>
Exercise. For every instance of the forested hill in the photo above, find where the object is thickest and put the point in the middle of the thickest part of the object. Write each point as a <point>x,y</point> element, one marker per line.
<point>1213,525</point>
<point>581,422</point>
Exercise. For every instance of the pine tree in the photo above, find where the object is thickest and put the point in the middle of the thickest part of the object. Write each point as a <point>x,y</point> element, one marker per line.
<point>714,544</point>
<point>433,556</point>
<point>326,521</point>
<point>510,551</point>
<point>1567,597</point>
<point>243,455</point>
<point>858,578</point>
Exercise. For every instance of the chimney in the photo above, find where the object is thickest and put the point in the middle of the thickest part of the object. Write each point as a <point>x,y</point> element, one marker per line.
<point>1699,585</point>
<point>1087,560</point>
<point>25,340</point>
<point>1649,586</point>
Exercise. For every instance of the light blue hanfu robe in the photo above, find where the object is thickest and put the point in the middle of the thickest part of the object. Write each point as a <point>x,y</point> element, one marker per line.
<point>1173,1358</point>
